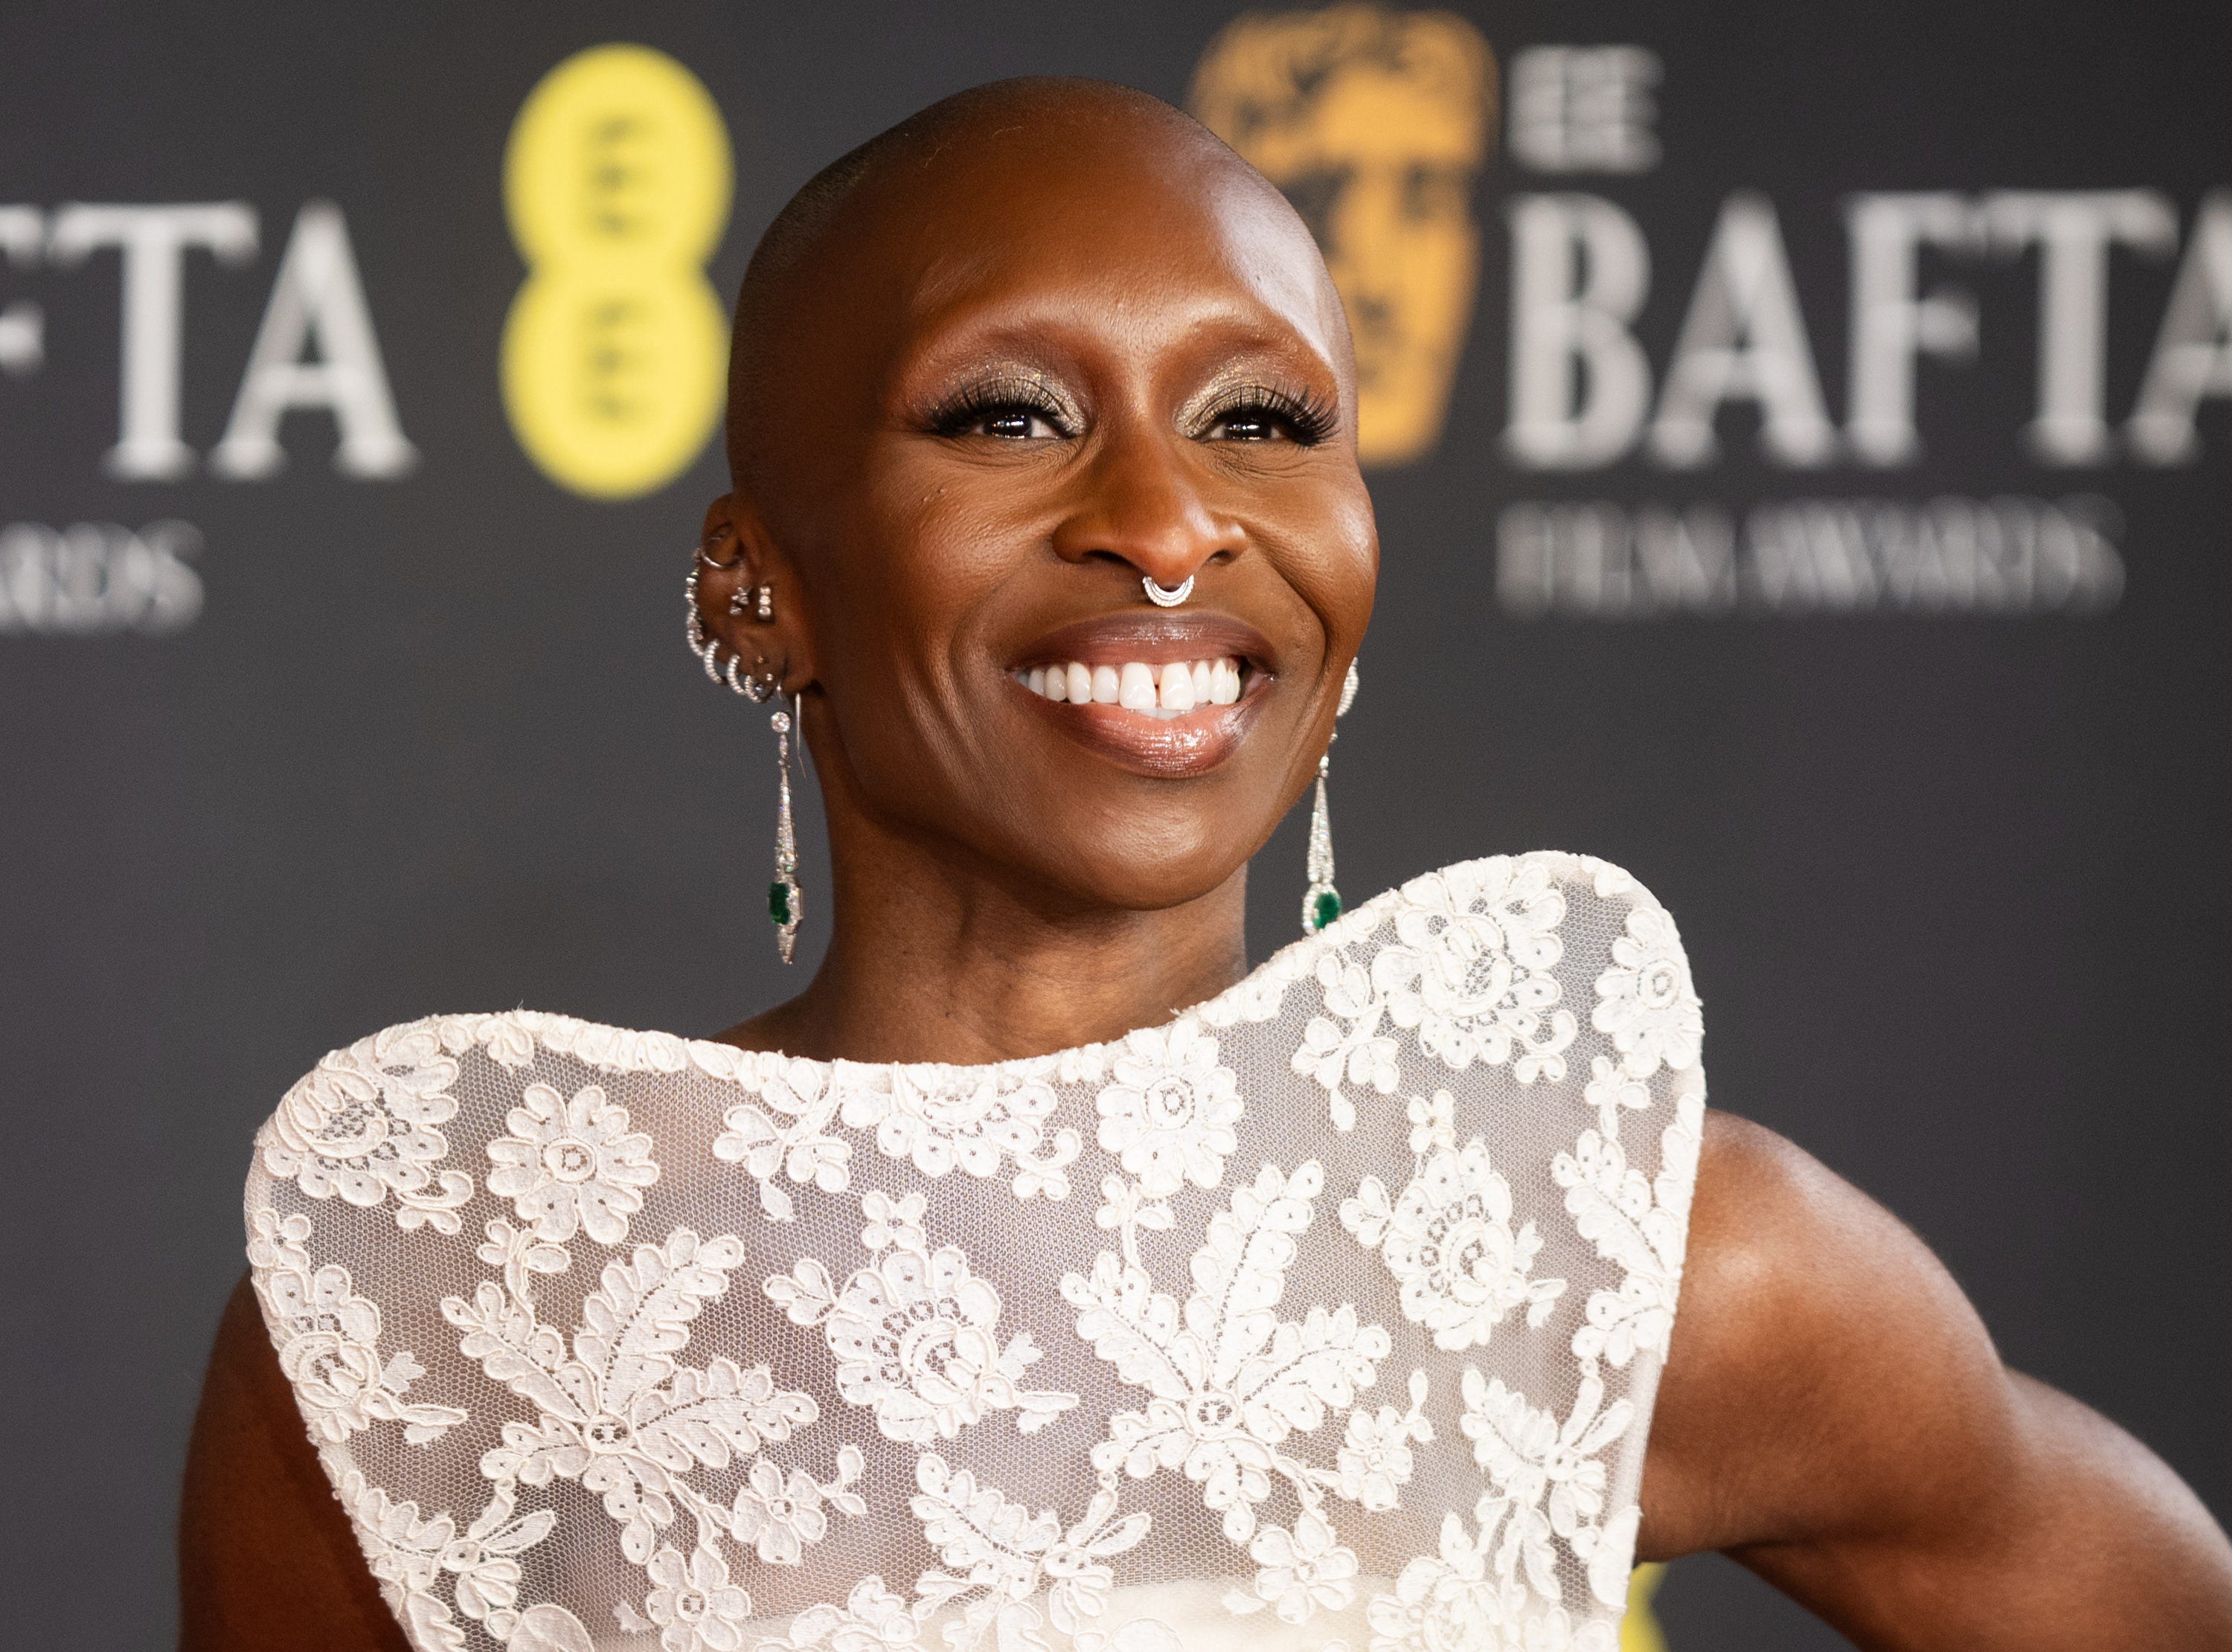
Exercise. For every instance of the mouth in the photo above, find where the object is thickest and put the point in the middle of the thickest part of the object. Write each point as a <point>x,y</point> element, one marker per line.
<point>1164,696</point>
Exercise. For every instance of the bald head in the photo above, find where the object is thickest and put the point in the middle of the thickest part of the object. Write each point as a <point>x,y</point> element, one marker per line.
<point>901,167</point>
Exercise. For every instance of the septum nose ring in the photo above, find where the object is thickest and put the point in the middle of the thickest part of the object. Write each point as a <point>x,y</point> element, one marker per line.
<point>1163,598</point>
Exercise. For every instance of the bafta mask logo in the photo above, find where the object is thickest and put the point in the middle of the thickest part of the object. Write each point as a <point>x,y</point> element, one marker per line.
<point>1374,123</point>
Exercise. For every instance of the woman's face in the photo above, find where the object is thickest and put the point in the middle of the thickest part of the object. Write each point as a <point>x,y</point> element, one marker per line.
<point>1015,380</point>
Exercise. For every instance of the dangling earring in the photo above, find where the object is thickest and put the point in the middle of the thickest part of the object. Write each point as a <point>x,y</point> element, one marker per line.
<point>782,894</point>
<point>1322,901</point>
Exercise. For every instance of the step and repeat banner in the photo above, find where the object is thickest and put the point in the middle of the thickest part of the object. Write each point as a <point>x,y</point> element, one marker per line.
<point>1800,437</point>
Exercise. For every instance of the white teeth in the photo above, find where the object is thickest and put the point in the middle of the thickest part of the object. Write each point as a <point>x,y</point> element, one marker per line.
<point>1136,688</point>
<point>1174,691</point>
<point>1170,690</point>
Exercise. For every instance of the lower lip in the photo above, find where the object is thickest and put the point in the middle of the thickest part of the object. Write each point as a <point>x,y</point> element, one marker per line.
<point>1164,748</point>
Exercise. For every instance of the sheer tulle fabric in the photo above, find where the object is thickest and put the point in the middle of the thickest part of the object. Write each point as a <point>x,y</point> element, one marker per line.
<point>1327,1314</point>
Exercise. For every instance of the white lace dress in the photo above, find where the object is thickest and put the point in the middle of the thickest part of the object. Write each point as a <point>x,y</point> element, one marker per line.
<point>1327,1314</point>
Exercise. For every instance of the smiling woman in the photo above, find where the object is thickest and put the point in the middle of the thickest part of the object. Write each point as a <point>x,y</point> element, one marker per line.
<point>979,1296</point>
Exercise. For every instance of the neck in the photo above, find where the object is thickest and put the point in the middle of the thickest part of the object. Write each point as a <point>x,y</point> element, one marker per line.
<point>936,959</point>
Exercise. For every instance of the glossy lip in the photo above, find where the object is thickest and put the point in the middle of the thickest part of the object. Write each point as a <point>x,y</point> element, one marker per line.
<point>1162,747</point>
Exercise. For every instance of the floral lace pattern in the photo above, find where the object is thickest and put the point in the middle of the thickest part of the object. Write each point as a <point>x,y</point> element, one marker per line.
<point>727,1324</point>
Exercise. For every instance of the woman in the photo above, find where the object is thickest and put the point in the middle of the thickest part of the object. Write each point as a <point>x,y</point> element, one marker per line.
<point>1009,1305</point>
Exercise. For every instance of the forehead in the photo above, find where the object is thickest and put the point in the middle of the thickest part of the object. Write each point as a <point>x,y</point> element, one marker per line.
<point>1157,234</point>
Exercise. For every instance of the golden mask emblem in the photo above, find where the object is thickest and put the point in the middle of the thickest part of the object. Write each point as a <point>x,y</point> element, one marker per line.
<point>1374,123</point>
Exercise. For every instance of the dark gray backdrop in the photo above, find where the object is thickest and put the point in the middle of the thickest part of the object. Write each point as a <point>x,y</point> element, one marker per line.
<point>1952,883</point>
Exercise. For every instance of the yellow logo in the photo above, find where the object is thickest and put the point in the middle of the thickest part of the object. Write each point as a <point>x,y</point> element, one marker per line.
<point>1640,1631</point>
<point>616,183</point>
<point>1375,122</point>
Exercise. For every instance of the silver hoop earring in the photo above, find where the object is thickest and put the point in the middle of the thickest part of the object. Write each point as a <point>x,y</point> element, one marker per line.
<point>783,905</point>
<point>1322,901</point>
<point>1166,599</point>
<point>705,647</point>
<point>757,686</point>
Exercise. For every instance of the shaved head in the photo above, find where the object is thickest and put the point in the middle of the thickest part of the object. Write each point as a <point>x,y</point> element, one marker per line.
<point>1051,114</point>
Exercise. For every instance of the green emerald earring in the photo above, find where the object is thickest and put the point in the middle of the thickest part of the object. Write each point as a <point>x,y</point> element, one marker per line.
<point>1322,901</point>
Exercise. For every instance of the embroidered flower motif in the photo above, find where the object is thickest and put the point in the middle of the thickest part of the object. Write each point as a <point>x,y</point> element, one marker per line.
<point>1001,1547</point>
<point>1169,1113</point>
<point>788,1134</point>
<point>326,1336</point>
<point>1643,1226</point>
<point>1454,1599</point>
<point>916,1339</point>
<point>1299,1573</point>
<point>364,1125</point>
<point>614,1410</point>
<point>568,1165</point>
<point>694,1601</point>
<point>483,1560</point>
<point>1228,1381</point>
<point>970,1118</point>
<point>1610,1089</point>
<point>408,1554</point>
<point>1449,1242</point>
<point>1433,1123</point>
<point>779,1517</point>
<point>1076,1565</point>
<point>1473,972</point>
<point>1549,1470</point>
<point>1375,1461</point>
<point>893,1220</point>
<point>1346,1043</point>
<point>1646,1001</point>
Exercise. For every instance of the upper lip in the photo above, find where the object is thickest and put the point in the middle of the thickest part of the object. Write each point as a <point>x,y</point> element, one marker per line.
<point>1150,639</point>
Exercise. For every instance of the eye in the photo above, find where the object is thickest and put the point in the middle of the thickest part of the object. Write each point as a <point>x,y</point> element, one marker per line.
<point>1259,414</point>
<point>1008,410</point>
<point>1012,424</point>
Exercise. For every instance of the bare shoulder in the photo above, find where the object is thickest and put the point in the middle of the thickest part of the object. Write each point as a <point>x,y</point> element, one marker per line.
<point>1818,1339</point>
<point>1834,1414</point>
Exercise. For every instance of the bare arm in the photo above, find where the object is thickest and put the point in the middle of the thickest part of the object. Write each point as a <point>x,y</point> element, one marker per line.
<point>267,1562</point>
<point>1834,1417</point>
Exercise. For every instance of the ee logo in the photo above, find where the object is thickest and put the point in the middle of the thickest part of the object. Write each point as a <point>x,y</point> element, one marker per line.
<point>616,183</point>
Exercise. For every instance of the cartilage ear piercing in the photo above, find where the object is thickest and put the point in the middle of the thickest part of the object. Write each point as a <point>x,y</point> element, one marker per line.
<point>765,609</point>
<point>1322,901</point>
<point>705,647</point>
<point>783,905</point>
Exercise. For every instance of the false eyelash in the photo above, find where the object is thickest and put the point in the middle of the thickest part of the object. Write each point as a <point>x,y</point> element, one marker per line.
<point>1311,418</point>
<point>953,415</point>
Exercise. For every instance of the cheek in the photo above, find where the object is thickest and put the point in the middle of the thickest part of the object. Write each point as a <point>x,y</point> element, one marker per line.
<point>1330,556</point>
<point>908,573</point>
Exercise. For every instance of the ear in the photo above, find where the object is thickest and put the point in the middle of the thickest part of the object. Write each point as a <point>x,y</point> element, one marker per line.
<point>743,574</point>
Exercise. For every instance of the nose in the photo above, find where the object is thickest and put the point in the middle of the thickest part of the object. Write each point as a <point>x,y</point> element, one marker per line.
<point>1139,503</point>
